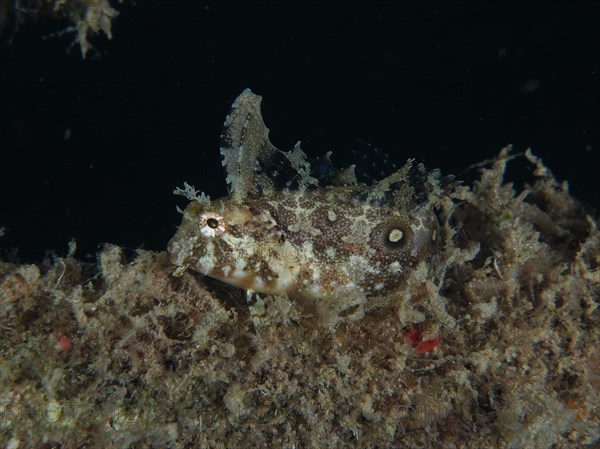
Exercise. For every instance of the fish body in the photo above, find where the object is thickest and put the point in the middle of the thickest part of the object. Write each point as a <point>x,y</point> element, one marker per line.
<point>296,228</point>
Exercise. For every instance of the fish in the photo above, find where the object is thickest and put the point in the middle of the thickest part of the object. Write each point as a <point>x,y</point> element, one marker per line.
<point>297,226</point>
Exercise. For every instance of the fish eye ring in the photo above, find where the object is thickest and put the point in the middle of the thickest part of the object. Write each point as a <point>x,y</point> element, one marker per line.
<point>211,224</point>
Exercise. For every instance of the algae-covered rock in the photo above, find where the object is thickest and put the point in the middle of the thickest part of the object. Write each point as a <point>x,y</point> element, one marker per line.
<point>491,343</point>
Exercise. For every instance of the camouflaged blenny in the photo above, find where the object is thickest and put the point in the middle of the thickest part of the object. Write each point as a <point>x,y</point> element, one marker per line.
<point>301,229</point>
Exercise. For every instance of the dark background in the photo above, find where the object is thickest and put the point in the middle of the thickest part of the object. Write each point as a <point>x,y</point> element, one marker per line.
<point>447,84</point>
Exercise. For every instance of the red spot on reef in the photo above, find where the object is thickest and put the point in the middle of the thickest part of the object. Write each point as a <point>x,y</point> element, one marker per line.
<point>414,337</point>
<point>63,343</point>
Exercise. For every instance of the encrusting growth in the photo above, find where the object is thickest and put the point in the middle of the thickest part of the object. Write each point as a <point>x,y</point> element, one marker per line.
<point>86,17</point>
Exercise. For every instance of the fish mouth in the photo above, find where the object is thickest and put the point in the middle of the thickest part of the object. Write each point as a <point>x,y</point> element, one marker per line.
<point>181,251</point>
<point>176,255</point>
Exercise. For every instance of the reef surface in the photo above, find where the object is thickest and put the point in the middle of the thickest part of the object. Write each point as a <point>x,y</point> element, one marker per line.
<point>492,343</point>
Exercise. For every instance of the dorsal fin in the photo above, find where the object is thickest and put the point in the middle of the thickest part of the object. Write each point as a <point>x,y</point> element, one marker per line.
<point>245,146</point>
<point>253,165</point>
<point>372,163</point>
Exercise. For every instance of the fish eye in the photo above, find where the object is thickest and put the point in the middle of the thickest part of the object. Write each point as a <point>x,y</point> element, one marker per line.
<point>211,224</point>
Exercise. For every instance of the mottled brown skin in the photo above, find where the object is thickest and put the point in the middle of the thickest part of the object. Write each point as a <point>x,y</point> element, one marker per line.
<point>322,241</point>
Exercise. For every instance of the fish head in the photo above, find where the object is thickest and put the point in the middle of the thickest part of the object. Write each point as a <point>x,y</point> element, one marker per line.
<point>225,240</point>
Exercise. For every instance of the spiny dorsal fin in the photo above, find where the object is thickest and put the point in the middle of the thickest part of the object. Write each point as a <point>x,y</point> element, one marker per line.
<point>245,145</point>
